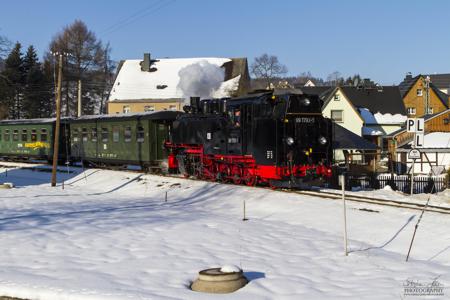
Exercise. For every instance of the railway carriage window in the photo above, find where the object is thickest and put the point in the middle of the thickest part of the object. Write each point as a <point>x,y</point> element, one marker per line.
<point>94,134</point>
<point>140,134</point>
<point>33,135</point>
<point>15,135</point>
<point>75,134</point>
<point>44,135</point>
<point>84,134</point>
<point>6,135</point>
<point>127,134</point>
<point>24,135</point>
<point>105,135</point>
<point>116,133</point>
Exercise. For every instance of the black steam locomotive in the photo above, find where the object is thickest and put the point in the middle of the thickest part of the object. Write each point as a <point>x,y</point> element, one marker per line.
<point>281,140</point>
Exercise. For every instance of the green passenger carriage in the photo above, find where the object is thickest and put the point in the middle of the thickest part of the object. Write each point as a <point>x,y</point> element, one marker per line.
<point>31,138</point>
<point>136,139</point>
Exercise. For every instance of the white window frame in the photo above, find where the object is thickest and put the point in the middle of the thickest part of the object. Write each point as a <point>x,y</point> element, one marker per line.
<point>411,111</point>
<point>149,108</point>
<point>419,92</point>
<point>337,97</point>
<point>430,111</point>
<point>126,109</point>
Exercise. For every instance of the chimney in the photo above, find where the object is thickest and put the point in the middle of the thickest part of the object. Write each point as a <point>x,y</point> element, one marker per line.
<point>408,76</point>
<point>145,64</point>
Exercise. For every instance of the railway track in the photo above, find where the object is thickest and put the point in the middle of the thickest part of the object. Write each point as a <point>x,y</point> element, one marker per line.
<point>376,201</point>
<point>327,195</point>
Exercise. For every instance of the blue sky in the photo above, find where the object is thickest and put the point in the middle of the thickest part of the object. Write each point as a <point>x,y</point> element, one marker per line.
<point>378,39</point>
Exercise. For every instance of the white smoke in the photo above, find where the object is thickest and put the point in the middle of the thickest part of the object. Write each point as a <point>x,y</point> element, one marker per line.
<point>202,80</point>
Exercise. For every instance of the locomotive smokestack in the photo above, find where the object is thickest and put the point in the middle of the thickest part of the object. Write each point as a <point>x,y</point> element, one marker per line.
<point>195,104</point>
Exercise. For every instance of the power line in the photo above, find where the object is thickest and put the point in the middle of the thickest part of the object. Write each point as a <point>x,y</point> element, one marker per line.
<point>138,15</point>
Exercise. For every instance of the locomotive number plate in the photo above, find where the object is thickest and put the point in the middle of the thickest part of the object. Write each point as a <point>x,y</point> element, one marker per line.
<point>304,120</point>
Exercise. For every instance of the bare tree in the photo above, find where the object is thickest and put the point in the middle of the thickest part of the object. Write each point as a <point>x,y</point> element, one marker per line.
<point>85,60</point>
<point>5,46</point>
<point>267,67</point>
<point>335,79</point>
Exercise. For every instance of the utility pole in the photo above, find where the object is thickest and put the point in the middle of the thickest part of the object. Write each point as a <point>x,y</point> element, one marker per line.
<point>58,119</point>
<point>427,95</point>
<point>79,98</point>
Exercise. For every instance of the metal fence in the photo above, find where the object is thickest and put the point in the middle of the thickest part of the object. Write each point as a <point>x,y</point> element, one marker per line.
<point>421,183</point>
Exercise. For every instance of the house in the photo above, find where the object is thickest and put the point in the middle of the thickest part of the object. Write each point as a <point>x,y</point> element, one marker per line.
<point>441,81</point>
<point>164,84</point>
<point>370,112</point>
<point>310,82</point>
<point>421,96</point>
<point>435,151</point>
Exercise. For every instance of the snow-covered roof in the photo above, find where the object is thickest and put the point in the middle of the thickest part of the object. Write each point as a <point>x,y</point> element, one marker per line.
<point>162,81</point>
<point>379,118</point>
<point>436,140</point>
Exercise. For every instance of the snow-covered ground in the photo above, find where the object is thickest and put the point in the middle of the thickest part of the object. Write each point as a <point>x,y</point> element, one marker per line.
<point>111,235</point>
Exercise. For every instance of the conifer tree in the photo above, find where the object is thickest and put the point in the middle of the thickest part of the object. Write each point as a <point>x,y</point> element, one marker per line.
<point>13,79</point>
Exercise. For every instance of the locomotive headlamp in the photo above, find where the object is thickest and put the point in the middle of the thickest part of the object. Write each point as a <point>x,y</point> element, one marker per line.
<point>290,141</point>
<point>306,102</point>
<point>322,140</point>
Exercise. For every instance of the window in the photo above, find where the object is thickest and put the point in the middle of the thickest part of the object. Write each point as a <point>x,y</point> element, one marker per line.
<point>149,108</point>
<point>127,134</point>
<point>411,110</point>
<point>172,107</point>
<point>93,134</point>
<point>15,135</point>
<point>336,97</point>
<point>6,135</point>
<point>430,111</point>
<point>75,134</point>
<point>44,135</point>
<point>446,121</point>
<point>0,135</point>
<point>105,135</point>
<point>419,92</point>
<point>126,109</point>
<point>24,135</point>
<point>84,134</point>
<point>116,133</point>
<point>140,133</point>
<point>33,135</point>
<point>337,115</point>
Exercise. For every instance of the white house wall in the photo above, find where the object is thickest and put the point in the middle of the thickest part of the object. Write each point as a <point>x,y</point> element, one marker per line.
<point>351,119</point>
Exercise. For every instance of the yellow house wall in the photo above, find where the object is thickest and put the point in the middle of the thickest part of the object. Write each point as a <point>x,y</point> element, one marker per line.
<point>412,100</point>
<point>351,119</point>
<point>135,107</point>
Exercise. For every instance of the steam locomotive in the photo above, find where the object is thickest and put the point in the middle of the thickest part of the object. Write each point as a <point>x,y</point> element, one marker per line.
<point>281,140</point>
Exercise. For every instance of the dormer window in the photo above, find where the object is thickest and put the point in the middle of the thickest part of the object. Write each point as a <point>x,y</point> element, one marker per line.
<point>419,92</point>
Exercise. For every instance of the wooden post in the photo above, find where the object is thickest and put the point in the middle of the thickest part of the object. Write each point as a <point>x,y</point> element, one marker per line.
<point>79,98</point>
<point>58,118</point>
<point>244,218</point>
<point>342,179</point>
<point>165,199</point>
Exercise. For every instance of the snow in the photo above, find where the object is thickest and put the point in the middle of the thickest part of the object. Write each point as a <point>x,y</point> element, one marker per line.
<point>436,140</point>
<point>230,269</point>
<point>379,118</point>
<point>371,131</point>
<point>110,235</point>
<point>134,84</point>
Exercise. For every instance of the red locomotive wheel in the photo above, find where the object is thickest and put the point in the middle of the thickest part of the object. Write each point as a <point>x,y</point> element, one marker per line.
<point>237,175</point>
